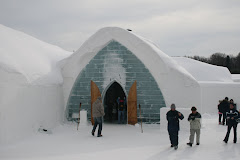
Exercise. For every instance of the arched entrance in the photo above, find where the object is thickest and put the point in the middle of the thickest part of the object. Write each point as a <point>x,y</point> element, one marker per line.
<point>114,91</point>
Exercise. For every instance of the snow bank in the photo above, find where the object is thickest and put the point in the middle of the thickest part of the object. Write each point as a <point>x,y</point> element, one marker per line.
<point>34,59</point>
<point>30,85</point>
<point>23,109</point>
<point>203,71</point>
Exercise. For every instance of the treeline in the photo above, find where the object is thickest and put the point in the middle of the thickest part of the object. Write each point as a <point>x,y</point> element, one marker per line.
<point>222,59</point>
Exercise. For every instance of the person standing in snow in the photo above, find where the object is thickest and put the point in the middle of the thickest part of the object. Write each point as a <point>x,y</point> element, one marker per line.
<point>97,113</point>
<point>195,125</point>
<point>232,115</point>
<point>173,117</point>
<point>224,107</point>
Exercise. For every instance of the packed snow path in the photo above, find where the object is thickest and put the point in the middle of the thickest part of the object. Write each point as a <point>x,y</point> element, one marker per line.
<point>123,142</point>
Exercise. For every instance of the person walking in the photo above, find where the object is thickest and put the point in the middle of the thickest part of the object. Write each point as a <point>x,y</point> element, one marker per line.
<point>195,125</point>
<point>97,113</point>
<point>173,117</point>
<point>232,115</point>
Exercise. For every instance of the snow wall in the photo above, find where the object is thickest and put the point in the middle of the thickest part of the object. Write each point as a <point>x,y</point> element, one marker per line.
<point>215,82</point>
<point>24,108</point>
<point>211,93</point>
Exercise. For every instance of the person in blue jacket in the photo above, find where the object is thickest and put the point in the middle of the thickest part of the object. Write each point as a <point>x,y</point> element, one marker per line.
<point>173,117</point>
<point>232,115</point>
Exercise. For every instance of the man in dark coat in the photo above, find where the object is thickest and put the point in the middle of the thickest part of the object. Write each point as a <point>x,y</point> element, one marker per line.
<point>232,115</point>
<point>173,117</point>
<point>220,112</point>
<point>223,107</point>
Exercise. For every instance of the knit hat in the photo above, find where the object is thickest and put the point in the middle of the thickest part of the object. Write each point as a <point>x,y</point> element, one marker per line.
<point>193,108</point>
<point>173,106</point>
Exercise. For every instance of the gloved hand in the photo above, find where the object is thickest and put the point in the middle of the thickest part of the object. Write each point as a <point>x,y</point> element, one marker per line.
<point>193,118</point>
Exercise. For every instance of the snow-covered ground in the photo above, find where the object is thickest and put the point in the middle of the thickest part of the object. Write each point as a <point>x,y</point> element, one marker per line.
<point>123,142</point>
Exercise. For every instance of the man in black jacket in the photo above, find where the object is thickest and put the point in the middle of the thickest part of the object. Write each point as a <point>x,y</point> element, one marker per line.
<point>223,107</point>
<point>232,115</point>
<point>173,117</point>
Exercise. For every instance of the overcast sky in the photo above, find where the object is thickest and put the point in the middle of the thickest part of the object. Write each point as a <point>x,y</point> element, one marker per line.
<point>179,27</point>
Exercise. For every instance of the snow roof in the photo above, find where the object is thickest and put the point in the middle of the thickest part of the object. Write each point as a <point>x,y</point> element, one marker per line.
<point>203,71</point>
<point>26,55</point>
<point>148,52</point>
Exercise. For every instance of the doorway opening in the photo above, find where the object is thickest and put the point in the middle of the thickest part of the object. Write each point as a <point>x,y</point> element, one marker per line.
<point>112,105</point>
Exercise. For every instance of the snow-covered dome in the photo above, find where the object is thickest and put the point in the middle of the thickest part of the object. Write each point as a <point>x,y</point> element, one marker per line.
<point>29,58</point>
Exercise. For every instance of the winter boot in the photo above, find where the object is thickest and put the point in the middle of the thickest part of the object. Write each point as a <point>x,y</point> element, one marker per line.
<point>92,133</point>
<point>176,147</point>
<point>172,146</point>
<point>190,144</point>
<point>198,144</point>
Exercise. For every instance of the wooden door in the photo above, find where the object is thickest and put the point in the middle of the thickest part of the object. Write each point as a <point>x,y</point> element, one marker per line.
<point>95,93</point>
<point>132,104</point>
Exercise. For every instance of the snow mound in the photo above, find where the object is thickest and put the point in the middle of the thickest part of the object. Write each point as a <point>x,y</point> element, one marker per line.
<point>36,60</point>
<point>203,71</point>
